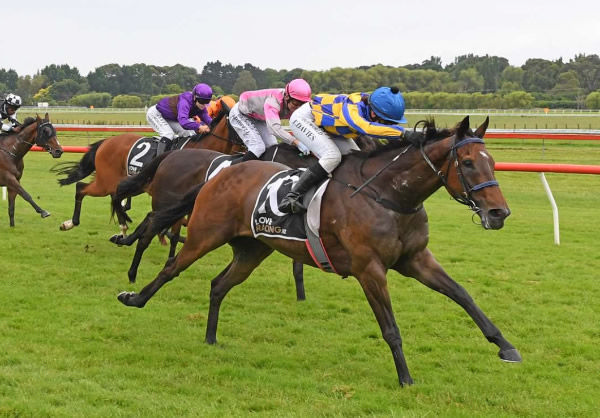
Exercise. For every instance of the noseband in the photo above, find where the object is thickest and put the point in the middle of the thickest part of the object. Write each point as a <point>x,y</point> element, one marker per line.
<point>466,197</point>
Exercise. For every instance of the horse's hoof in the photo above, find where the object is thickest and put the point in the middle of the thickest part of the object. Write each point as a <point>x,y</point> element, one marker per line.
<point>511,355</point>
<point>126,298</point>
<point>116,239</point>
<point>66,225</point>
<point>44,213</point>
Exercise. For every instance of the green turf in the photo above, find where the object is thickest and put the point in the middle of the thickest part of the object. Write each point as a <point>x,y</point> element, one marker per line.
<point>69,348</point>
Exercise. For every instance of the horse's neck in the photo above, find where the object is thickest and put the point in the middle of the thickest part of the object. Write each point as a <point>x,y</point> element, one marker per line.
<point>19,144</point>
<point>410,180</point>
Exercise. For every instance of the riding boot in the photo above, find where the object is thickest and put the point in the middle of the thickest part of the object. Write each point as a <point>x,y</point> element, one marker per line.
<point>248,156</point>
<point>164,145</point>
<point>291,202</point>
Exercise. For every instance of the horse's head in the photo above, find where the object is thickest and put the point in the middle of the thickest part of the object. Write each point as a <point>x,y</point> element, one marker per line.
<point>470,177</point>
<point>46,137</point>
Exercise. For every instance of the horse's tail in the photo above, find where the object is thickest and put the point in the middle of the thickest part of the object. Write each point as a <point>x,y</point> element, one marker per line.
<point>78,170</point>
<point>135,185</point>
<point>166,218</point>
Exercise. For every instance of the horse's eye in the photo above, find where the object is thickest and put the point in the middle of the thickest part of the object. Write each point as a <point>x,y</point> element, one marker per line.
<point>468,163</point>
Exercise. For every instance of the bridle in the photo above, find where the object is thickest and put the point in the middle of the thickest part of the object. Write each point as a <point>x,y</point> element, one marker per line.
<point>466,196</point>
<point>40,140</point>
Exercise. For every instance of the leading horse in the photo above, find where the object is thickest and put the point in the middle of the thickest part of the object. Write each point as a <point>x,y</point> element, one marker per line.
<point>13,147</point>
<point>108,158</point>
<point>372,220</point>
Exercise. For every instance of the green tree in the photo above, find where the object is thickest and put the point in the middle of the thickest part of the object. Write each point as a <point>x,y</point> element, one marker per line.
<point>567,85</point>
<point>540,75</point>
<point>9,78</point>
<point>63,90</point>
<point>172,89</point>
<point>244,82</point>
<point>518,100</point>
<point>470,80</point>
<point>91,99</point>
<point>56,73</point>
<point>592,100</point>
<point>44,95</point>
<point>587,68</point>
<point>127,101</point>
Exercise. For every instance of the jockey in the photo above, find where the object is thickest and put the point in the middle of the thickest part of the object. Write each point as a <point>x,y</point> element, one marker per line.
<point>215,107</point>
<point>174,116</point>
<point>328,125</point>
<point>257,116</point>
<point>8,111</point>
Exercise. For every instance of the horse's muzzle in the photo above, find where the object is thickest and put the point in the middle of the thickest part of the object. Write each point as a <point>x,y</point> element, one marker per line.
<point>56,153</point>
<point>494,218</point>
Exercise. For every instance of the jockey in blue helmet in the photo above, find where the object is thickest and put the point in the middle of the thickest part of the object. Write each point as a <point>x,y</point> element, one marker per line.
<point>328,124</point>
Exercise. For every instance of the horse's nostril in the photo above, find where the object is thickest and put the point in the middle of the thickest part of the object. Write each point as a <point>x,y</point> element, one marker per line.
<point>499,213</point>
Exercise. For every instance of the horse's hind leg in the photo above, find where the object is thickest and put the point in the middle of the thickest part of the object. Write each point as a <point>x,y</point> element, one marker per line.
<point>428,271</point>
<point>248,253</point>
<point>202,241</point>
<point>79,195</point>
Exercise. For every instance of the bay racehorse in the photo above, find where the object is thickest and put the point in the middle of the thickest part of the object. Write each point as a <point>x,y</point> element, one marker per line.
<point>13,147</point>
<point>372,220</point>
<point>169,176</point>
<point>108,158</point>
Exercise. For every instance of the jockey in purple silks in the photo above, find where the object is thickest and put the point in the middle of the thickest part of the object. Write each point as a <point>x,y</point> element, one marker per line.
<point>174,116</point>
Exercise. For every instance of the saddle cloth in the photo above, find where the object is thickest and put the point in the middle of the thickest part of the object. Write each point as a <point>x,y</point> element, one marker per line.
<point>268,221</point>
<point>144,150</point>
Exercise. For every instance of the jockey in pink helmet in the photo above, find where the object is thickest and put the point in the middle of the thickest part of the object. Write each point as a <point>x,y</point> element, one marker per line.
<point>256,117</point>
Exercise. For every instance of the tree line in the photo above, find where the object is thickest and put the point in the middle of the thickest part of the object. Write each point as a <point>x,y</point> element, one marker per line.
<point>470,81</point>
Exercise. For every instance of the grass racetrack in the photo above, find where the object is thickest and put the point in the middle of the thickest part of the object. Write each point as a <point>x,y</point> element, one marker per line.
<point>69,348</point>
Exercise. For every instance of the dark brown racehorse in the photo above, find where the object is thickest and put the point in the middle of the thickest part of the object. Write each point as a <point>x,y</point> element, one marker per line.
<point>13,148</point>
<point>169,176</point>
<point>108,158</point>
<point>366,230</point>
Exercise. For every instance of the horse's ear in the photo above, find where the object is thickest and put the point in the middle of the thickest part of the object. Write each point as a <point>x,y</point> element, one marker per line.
<point>37,117</point>
<point>46,117</point>
<point>480,132</point>
<point>463,128</point>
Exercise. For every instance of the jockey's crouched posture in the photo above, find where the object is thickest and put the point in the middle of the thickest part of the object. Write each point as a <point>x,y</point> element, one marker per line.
<point>328,124</point>
<point>8,111</point>
<point>174,115</point>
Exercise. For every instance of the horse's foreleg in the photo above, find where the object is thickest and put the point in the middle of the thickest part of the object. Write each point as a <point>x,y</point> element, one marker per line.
<point>11,206</point>
<point>15,188</point>
<point>248,253</point>
<point>298,269</point>
<point>374,284</point>
<point>428,271</point>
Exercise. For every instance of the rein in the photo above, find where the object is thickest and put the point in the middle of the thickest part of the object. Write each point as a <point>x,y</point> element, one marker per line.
<point>466,197</point>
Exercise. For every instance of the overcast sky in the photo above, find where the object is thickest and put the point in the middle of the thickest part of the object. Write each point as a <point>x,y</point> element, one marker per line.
<point>284,34</point>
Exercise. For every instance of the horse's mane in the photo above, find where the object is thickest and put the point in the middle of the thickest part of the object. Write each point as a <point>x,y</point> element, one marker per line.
<point>28,121</point>
<point>417,136</point>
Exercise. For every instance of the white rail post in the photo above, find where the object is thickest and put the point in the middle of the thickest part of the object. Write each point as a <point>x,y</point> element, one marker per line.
<point>554,209</point>
<point>3,192</point>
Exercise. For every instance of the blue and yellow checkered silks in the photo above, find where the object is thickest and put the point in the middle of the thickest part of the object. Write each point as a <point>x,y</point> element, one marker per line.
<point>348,116</point>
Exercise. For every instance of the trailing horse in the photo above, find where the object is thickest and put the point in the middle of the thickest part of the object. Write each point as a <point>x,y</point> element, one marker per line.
<point>108,158</point>
<point>13,147</point>
<point>372,220</point>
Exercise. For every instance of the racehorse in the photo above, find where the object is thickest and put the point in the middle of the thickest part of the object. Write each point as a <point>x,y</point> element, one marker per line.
<point>14,146</point>
<point>372,220</point>
<point>108,158</point>
<point>169,176</point>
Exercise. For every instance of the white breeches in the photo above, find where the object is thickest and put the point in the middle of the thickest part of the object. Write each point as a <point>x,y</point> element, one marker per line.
<point>166,128</point>
<point>253,132</point>
<point>327,149</point>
